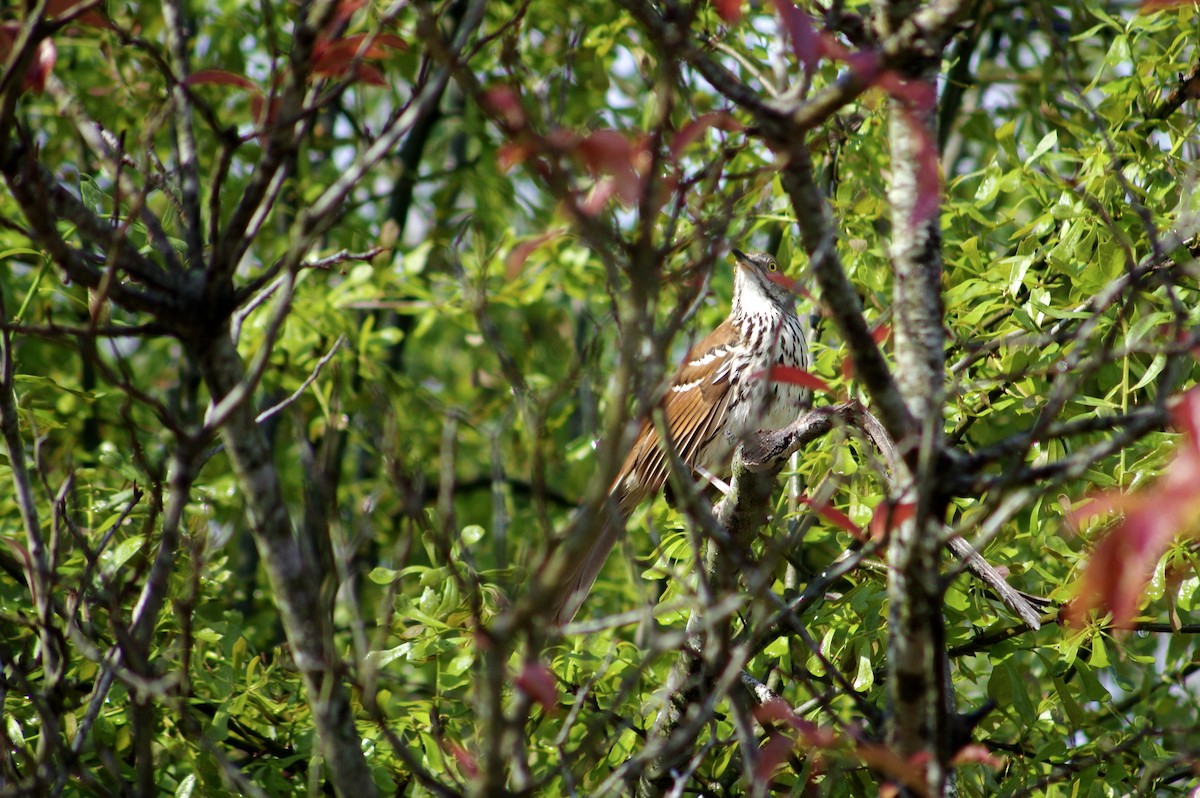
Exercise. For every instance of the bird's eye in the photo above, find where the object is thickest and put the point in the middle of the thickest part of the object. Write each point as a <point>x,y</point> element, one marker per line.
<point>772,266</point>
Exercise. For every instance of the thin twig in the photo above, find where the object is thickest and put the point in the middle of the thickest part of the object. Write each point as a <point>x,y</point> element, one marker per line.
<point>264,415</point>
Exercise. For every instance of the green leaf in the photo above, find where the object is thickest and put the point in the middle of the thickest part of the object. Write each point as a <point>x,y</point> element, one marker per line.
<point>864,677</point>
<point>1099,657</point>
<point>119,554</point>
<point>381,659</point>
<point>13,727</point>
<point>1070,706</point>
<point>187,787</point>
<point>1049,141</point>
<point>383,576</point>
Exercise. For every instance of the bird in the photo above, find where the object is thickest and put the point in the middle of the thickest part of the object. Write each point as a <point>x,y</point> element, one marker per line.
<point>722,393</point>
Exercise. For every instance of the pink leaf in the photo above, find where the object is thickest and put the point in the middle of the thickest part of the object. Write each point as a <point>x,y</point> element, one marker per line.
<point>784,281</point>
<point>537,681</point>
<point>219,77</point>
<point>833,515</point>
<point>864,64</point>
<point>513,153</point>
<point>910,772</point>
<point>698,127</point>
<point>346,49</point>
<point>1150,6</point>
<point>465,761</point>
<point>916,94</point>
<point>345,10</point>
<point>771,755</point>
<point>343,57</point>
<point>888,516</point>
<point>798,376</point>
<point>729,10</point>
<point>41,66</point>
<point>563,139</point>
<point>612,153</point>
<point>94,18</point>
<point>776,710</point>
<point>977,753</point>
<point>598,197</point>
<point>808,45</point>
<point>521,252</point>
<point>504,103</point>
<point>1122,564</point>
<point>1185,415</point>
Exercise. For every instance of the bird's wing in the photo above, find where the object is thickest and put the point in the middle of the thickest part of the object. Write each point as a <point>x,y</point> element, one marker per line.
<point>695,407</point>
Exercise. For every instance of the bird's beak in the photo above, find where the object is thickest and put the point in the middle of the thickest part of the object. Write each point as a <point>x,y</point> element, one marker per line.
<point>737,253</point>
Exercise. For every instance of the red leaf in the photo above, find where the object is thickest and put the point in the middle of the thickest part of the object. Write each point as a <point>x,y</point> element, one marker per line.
<point>771,755</point>
<point>504,103</point>
<point>910,772</point>
<point>345,10</point>
<point>864,64</point>
<point>389,40</point>
<point>833,515</point>
<point>888,516</point>
<point>41,66</point>
<point>605,151</point>
<point>537,681</point>
<point>788,283</point>
<point>808,45</point>
<point>1124,561</point>
<point>1150,6</point>
<point>347,48</point>
<point>977,753</point>
<point>881,333</point>
<point>776,710</point>
<point>798,376</point>
<point>370,75</point>
<point>563,139</point>
<point>264,112</point>
<point>729,10</point>
<point>465,761</point>
<point>848,367</point>
<point>512,153</point>
<point>219,77</point>
<point>94,18</point>
<point>916,94</point>
<point>521,252</point>
<point>599,196</point>
<point>1185,415</point>
<point>698,127</point>
<point>612,153</point>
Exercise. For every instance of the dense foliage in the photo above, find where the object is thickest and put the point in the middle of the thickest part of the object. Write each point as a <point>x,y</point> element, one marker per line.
<point>435,261</point>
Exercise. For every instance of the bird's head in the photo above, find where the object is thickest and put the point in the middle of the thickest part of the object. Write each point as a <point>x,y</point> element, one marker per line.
<point>755,286</point>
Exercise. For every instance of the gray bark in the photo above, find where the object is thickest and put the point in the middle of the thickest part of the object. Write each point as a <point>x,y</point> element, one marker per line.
<point>295,580</point>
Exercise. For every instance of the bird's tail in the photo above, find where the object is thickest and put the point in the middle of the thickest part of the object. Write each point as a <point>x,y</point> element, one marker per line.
<point>606,529</point>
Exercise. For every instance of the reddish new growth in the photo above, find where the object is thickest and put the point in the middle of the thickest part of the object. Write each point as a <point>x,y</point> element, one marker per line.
<point>617,162</point>
<point>333,56</point>
<point>1123,563</point>
<point>917,98</point>
<point>537,681</point>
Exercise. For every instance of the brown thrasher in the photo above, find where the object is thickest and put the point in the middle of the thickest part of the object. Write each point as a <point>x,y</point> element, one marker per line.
<point>721,393</point>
